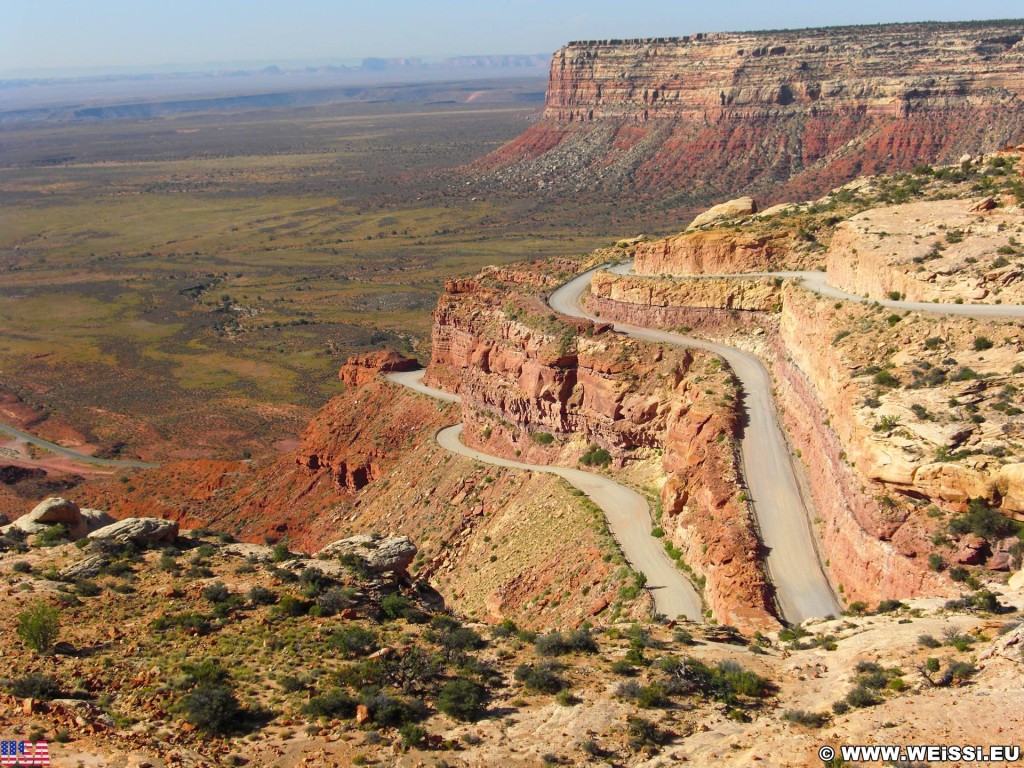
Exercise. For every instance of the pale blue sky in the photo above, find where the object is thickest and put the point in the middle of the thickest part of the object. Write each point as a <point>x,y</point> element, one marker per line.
<point>38,34</point>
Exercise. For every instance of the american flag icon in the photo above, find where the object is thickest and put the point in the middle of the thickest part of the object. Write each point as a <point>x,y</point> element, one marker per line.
<point>24,753</point>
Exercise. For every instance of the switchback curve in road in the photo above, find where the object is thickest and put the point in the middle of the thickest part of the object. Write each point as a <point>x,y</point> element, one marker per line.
<point>627,512</point>
<point>802,588</point>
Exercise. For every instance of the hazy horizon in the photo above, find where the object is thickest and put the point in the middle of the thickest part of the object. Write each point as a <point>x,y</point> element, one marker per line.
<point>60,38</point>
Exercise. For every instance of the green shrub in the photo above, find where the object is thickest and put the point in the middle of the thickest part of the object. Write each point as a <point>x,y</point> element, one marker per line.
<point>262,596</point>
<point>981,520</point>
<point>216,592</point>
<point>355,641</point>
<point>281,552</point>
<point>190,621</point>
<point>391,711</point>
<point>212,707</point>
<point>463,700</point>
<point>34,686</point>
<point>861,697</point>
<point>981,343</point>
<point>412,735</point>
<point>86,588</point>
<point>334,704</point>
<point>397,606</point>
<point>886,379</point>
<point>542,438</point>
<point>596,456</point>
<point>810,719</point>
<point>38,626</point>
<point>53,535</point>
<point>21,567</point>
<point>888,606</point>
<point>642,733</point>
<point>289,605</point>
<point>540,677</point>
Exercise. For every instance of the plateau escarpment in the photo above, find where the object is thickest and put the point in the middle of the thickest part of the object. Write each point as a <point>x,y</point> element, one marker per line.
<point>782,113</point>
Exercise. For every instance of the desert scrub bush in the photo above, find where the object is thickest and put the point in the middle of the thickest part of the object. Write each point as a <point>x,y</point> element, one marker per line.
<point>333,704</point>
<point>397,606</point>
<point>211,707</point>
<point>463,700</point>
<point>542,438</point>
<point>21,567</point>
<point>355,641</point>
<point>34,686</point>
<point>888,606</point>
<point>191,622</point>
<point>86,588</point>
<point>886,424</point>
<point>645,696</point>
<point>981,343</point>
<point>543,678</point>
<point>886,379</point>
<point>335,600</point>
<point>558,644</point>
<point>928,641</point>
<point>809,719</point>
<point>281,552</point>
<point>53,535</point>
<point>596,456</point>
<point>861,697</point>
<point>216,592</point>
<point>262,596</point>
<point>289,605</point>
<point>981,520</point>
<point>391,711</point>
<point>39,626</point>
<point>643,734</point>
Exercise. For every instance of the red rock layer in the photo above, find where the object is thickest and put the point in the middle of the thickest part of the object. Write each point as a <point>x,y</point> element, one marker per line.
<point>795,112</point>
<point>516,380</point>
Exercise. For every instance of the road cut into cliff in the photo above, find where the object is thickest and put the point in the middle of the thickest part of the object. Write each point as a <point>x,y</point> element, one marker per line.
<point>626,511</point>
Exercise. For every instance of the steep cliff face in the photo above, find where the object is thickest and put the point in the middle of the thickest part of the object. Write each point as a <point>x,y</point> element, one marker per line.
<point>538,389</point>
<point>797,112</point>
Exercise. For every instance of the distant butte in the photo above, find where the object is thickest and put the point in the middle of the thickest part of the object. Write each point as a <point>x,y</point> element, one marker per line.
<point>780,114</point>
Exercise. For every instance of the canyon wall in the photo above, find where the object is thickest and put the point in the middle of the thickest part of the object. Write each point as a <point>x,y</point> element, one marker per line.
<point>538,389</point>
<point>790,112</point>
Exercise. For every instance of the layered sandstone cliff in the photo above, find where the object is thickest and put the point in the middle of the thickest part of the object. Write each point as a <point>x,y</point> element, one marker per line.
<point>536,388</point>
<point>797,112</point>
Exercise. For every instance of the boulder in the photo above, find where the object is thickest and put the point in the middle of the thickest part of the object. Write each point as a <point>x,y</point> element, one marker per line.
<point>379,554</point>
<point>51,512</point>
<point>89,568</point>
<point>733,209</point>
<point>96,519</point>
<point>143,531</point>
<point>971,550</point>
<point>361,369</point>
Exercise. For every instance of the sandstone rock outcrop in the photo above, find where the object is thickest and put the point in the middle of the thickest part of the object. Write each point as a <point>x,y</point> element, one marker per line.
<point>933,250</point>
<point>141,531</point>
<point>711,252</point>
<point>759,294</point>
<point>775,112</point>
<point>731,209</point>
<point>378,554</point>
<point>53,511</point>
<point>522,372</point>
<point>360,369</point>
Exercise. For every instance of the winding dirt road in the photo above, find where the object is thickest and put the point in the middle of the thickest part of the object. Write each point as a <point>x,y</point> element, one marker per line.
<point>818,283</point>
<point>627,513</point>
<point>802,589</point>
<point>60,450</point>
